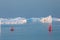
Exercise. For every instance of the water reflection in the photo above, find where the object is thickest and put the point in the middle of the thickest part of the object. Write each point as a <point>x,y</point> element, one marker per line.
<point>50,35</point>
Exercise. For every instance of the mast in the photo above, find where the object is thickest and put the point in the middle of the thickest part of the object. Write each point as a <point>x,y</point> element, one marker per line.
<point>0,26</point>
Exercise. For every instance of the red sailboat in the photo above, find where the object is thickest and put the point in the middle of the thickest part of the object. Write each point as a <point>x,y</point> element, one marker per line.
<point>12,29</point>
<point>50,28</point>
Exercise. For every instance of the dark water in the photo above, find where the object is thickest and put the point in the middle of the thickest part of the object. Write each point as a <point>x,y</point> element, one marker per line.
<point>30,32</point>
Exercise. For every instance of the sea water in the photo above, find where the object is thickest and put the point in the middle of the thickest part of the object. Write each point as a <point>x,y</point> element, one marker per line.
<point>34,31</point>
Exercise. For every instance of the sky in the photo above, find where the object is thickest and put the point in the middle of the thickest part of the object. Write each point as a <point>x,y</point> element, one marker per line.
<point>29,8</point>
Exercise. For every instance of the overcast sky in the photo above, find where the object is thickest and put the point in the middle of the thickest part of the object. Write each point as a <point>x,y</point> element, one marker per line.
<point>29,8</point>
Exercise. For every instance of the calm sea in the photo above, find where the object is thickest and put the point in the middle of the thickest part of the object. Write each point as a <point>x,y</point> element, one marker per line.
<point>34,31</point>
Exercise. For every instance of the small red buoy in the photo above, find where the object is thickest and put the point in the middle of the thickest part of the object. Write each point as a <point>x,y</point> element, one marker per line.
<point>50,28</point>
<point>12,29</point>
